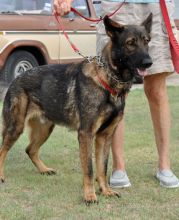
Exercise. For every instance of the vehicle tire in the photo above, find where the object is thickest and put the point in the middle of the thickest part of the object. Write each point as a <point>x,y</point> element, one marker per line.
<point>17,63</point>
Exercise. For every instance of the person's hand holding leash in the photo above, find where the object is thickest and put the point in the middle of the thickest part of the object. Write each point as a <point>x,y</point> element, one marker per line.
<point>62,7</point>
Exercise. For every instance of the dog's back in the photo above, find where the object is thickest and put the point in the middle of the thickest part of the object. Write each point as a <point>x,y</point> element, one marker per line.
<point>43,91</point>
<point>62,94</point>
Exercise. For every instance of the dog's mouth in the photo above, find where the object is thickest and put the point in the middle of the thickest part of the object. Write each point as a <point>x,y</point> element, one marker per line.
<point>142,71</point>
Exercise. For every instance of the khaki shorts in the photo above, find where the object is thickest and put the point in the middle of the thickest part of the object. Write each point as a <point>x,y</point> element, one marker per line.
<point>131,13</point>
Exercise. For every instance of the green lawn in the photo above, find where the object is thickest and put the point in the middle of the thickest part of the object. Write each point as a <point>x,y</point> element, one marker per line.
<point>29,195</point>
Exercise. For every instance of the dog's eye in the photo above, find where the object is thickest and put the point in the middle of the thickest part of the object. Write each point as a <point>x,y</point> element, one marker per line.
<point>131,41</point>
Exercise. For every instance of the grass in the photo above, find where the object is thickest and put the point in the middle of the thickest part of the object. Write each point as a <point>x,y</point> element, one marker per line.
<point>27,195</point>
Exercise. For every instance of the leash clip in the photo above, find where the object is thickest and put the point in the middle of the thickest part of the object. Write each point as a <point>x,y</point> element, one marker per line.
<point>89,59</point>
<point>80,54</point>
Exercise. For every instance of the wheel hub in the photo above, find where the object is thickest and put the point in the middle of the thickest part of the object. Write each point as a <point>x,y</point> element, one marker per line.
<point>22,67</point>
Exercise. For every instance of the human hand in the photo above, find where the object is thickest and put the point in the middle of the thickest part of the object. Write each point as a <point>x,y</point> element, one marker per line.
<point>62,7</point>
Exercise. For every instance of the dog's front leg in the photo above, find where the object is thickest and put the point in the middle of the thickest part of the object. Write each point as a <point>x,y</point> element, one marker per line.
<point>85,142</point>
<point>102,145</point>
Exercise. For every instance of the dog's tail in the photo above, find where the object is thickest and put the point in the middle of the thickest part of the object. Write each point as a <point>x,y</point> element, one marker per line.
<point>14,112</point>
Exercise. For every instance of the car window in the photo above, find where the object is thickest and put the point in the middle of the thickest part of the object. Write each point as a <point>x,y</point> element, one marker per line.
<point>176,15</point>
<point>81,6</point>
<point>26,6</point>
<point>97,6</point>
<point>6,5</point>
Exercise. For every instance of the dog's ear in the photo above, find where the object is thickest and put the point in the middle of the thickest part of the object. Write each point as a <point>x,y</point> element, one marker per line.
<point>148,23</point>
<point>112,26</point>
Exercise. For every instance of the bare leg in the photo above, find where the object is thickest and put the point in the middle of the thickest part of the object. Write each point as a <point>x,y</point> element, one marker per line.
<point>117,147</point>
<point>156,92</point>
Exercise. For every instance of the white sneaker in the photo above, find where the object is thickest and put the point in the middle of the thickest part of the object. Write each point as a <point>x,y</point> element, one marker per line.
<point>167,179</point>
<point>119,179</point>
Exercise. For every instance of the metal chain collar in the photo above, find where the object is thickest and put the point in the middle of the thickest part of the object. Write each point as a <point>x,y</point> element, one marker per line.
<point>97,59</point>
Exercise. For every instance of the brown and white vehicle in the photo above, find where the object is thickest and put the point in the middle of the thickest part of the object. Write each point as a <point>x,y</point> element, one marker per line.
<point>30,35</point>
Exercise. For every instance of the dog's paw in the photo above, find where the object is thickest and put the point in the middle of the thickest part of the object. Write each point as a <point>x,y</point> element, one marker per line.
<point>90,199</point>
<point>48,171</point>
<point>110,192</point>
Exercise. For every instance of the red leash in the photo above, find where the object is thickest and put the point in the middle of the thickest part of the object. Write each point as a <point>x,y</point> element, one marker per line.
<point>76,50</point>
<point>100,19</point>
<point>61,27</point>
<point>174,46</point>
<point>106,86</point>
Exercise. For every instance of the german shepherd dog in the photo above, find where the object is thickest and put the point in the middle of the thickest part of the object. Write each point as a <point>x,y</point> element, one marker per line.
<point>85,96</point>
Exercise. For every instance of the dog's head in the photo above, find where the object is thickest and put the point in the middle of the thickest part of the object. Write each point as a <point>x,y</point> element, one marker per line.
<point>129,46</point>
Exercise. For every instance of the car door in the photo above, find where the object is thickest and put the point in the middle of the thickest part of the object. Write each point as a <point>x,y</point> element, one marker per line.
<point>30,23</point>
<point>80,31</point>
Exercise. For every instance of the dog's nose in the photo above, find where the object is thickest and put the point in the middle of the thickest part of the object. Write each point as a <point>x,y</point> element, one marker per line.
<point>146,62</point>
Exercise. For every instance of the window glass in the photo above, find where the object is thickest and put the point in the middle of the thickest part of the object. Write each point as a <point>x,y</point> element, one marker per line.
<point>6,5</point>
<point>176,15</point>
<point>26,6</point>
<point>97,6</point>
<point>81,6</point>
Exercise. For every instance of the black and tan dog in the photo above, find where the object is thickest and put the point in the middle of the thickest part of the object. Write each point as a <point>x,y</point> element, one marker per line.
<point>87,97</point>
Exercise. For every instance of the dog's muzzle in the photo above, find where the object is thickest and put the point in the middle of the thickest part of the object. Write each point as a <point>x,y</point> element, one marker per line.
<point>146,63</point>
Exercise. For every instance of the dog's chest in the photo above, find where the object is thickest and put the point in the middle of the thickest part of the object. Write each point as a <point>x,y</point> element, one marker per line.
<point>111,112</point>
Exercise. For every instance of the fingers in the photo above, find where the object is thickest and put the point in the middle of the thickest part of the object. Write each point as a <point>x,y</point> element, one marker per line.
<point>65,8</point>
<point>62,7</point>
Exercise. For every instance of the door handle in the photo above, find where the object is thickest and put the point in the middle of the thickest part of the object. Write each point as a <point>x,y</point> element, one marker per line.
<point>93,25</point>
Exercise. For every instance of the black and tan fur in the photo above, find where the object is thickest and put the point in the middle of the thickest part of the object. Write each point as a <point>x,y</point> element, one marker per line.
<point>72,95</point>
